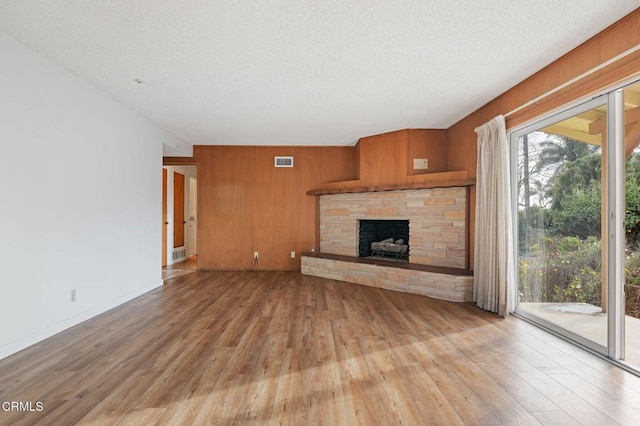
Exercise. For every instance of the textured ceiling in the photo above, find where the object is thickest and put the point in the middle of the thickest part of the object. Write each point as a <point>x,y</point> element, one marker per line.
<point>301,72</point>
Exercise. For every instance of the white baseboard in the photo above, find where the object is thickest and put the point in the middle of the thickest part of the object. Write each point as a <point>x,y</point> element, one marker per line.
<point>47,332</point>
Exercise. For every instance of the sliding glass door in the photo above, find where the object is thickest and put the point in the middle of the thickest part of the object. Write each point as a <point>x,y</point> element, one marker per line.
<point>576,203</point>
<point>561,199</point>
<point>631,97</point>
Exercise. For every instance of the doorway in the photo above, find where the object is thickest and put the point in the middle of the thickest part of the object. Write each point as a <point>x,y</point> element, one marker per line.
<point>180,220</point>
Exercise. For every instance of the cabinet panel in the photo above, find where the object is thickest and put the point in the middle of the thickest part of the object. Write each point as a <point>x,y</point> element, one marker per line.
<point>429,144</point>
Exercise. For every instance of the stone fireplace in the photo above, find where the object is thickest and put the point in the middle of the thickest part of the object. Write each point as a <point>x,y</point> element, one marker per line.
<point>437,221</point>
<point>436,227</point>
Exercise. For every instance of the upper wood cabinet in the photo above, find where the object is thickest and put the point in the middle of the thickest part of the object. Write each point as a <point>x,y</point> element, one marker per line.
<point>388,158</point>
<point>430,144</point>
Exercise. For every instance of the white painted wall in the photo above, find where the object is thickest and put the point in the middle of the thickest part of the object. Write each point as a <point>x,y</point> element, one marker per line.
<point>81,199</point>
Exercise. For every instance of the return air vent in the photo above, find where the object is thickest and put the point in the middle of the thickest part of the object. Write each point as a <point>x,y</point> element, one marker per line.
<point>179,253</point>
<point>283,162</point>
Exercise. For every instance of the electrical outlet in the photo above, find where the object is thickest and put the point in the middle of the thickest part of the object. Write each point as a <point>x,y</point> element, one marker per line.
<point>255,255</point>
<point>293,254</point>
<point>73,294</point>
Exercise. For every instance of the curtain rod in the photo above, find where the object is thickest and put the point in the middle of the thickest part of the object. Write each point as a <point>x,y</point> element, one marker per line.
<point>573,80</point>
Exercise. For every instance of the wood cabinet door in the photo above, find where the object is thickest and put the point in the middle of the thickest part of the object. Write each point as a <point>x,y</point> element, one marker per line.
<point>178,210</point>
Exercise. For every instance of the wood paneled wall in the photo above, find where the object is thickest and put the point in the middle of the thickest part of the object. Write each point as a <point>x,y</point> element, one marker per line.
<point>429,144</point>
<point>383,158</point>
<point>246,204</point>
<point>623,35</point>
<point>387,159</point>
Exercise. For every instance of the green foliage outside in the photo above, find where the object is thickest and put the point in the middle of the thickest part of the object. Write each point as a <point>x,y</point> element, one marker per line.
<point>562,270</point>
<point>632,284</point>
<point>559,235</point>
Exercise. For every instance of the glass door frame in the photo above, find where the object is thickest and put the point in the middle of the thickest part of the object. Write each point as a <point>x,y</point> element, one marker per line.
<point>613,222</point>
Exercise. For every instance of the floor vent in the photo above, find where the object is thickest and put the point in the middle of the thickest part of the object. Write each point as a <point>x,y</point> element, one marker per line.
<point>179,253</point>
<point>283,162</point>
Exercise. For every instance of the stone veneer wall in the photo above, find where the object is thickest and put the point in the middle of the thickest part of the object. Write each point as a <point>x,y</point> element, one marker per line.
<point>436,222</point>
<point>454,288</point>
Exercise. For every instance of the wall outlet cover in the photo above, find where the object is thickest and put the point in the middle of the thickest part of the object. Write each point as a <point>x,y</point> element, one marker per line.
<point>420,163</point>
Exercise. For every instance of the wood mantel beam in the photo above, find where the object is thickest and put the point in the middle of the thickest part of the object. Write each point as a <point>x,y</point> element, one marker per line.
<point>379,188</point>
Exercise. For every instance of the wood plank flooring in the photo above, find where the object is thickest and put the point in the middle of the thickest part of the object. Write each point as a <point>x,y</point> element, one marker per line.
<point>282,348</point>
<point>185,267</point>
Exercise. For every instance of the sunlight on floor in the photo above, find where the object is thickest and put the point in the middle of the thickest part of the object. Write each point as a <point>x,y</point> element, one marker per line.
<point>591,326</point>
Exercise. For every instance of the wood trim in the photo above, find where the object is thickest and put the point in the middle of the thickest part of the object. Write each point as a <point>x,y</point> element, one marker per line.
<point>467,228</point>
<point>380,188</point>
<point>609,76</point>
<point>179,161</point>
<point>472,226</point>
<point>581,89</point>
<point>316,246</point>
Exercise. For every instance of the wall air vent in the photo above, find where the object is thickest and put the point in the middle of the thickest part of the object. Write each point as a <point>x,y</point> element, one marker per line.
<point>283,162</point>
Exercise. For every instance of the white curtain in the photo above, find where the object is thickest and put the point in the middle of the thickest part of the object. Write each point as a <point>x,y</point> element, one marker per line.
<point>494,267</point>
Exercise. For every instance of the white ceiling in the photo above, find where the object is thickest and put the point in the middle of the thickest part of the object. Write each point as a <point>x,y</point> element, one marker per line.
<point>304,72</point>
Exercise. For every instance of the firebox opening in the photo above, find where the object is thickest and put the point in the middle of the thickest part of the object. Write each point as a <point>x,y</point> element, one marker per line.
<point>394,232</point>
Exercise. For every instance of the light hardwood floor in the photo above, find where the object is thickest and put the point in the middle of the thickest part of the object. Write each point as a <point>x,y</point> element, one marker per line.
<point>281,348</point>
<point>185,267</point>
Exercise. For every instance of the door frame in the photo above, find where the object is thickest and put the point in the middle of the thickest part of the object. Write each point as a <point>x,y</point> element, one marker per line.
<point>187,161</point>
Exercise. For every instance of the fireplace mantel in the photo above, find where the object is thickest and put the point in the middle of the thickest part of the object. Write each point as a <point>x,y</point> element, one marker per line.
<point>353,188</point>
<point>448,179</point>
